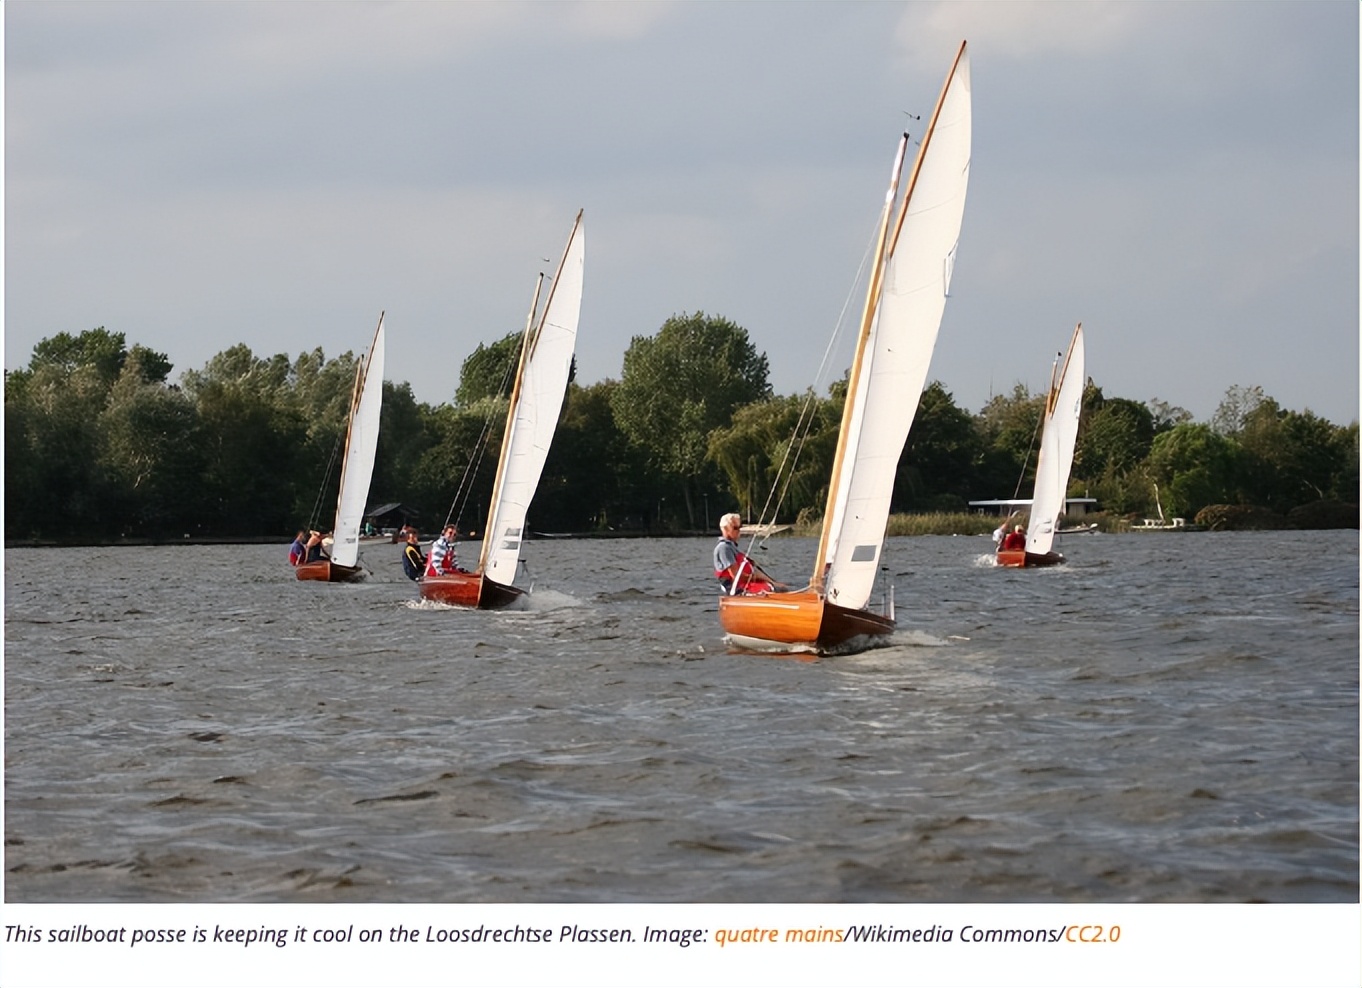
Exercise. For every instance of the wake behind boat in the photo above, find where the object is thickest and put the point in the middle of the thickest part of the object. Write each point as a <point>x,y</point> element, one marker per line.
<point>357,468</point>
<point>531,420</point>
<point>909,282</point>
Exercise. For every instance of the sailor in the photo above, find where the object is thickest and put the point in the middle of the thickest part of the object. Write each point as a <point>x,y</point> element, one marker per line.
<point>1000,532</point>
<point>297,552</point>
<point>413,559</point>
<point>442,561</point>
<point>1016,539</point>
<point>735,572</point>
<point>316,547</point>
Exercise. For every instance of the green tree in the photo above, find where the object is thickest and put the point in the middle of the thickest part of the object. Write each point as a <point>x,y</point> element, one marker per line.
<point>762,452</point>
<point>53,484</point>
<point>489,371</point>
<point>1009,431</point>
<point>1166,416</point>
<point>1116,436</point>
<point>455,473</point>
<point>1194,466</point>
<point>260,470</point>
<point>103,352</point>
<point>150,451</point>
<point>937,470</point>
<point>1237,408</point>
<point>594,478</point>
<point>402,442</point>
<point>680,385</point>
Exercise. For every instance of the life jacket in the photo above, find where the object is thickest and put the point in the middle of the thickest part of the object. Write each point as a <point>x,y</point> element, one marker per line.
<point>441,561</point>
<point>413,562</point>
<point>748,583</point>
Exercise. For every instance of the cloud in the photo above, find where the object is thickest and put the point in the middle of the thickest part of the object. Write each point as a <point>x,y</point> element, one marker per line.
<point>1017,30</point>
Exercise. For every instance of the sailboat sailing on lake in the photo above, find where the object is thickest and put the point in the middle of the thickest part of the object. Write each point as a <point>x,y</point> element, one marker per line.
<point>1063,405</point>
<point>914,257</point>
<point>357,468</point>
<point>536,401</point>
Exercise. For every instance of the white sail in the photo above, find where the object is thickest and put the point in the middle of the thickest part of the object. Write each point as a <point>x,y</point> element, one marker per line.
<point>536,401</point>
<point>1056,457</point>
<point>361,442</point>
<point>920,258</point>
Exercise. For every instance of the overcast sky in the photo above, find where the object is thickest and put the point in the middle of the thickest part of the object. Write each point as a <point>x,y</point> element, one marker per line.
<point>1182,178</point>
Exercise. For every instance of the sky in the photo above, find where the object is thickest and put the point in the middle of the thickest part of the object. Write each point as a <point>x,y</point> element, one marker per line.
<point>1180,178</point>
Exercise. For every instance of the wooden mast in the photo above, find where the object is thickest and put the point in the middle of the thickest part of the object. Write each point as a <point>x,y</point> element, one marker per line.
<point>1055,381</point>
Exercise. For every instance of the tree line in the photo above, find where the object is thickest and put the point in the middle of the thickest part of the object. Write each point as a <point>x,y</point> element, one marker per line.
<point>101,445</point>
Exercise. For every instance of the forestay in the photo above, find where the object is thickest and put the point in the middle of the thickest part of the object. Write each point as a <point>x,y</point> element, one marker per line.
<point>361,442</point>
<point>921,255</point>
<point>536,401</point>
<point>1056,457</point>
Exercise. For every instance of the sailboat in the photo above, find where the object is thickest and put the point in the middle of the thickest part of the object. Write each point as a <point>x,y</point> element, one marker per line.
<point>909,281</point>
<point>536,401</point>
<point>357,468</point>
<point>1063,405</point>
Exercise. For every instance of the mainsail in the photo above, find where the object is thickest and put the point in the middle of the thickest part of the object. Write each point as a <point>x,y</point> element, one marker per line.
<point>536,401</point>
<point>361,442</point>
<point>1062,408</point>
<point>901,323</point>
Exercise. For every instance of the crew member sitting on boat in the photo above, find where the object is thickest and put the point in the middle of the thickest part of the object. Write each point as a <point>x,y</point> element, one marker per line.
<point>316,548</point>
<point>1000,532</point>
<point>1016,539</point>
<point>442,561</point>
<point>413,559</point>
<point>297,552</point>
<point>737,573</point>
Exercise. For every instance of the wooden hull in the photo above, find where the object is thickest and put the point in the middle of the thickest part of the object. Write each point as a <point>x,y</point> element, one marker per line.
<point>328,572</point>
<point>1020,558</point>
<point>468,590</point>
<point>796,621</point>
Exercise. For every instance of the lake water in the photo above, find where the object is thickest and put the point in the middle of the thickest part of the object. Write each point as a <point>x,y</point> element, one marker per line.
<point>1168,718</point>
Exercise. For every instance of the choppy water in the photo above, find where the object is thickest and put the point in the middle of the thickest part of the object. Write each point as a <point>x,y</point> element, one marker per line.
<point>1171,717</point>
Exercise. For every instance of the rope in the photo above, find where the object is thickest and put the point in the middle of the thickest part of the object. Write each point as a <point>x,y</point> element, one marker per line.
<point>1027,461</point>
<point>465,489</point>
<point>326,477</point>
<point>804,426</point>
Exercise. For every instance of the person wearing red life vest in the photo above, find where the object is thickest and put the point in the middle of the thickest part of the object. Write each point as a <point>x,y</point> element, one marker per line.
<point>737,573</point>
<point>1015,539</point>
<point>441,561</point>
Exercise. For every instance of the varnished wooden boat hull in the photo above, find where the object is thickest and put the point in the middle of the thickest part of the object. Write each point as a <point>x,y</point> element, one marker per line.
<point>1019,558</point>
<point>328,572</point>
<point>468,590</point>
<point>796,621</point>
